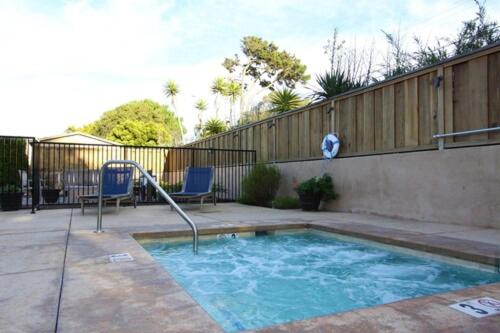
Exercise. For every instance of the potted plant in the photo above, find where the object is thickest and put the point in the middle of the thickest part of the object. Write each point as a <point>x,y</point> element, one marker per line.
<point>51,195</point>
<point>313,190</point>
<point>11,197</point>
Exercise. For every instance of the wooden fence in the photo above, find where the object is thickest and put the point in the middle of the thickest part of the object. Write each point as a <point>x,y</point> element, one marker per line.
<point>400,114</point>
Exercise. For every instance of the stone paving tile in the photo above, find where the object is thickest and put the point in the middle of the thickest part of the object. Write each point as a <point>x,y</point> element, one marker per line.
<point>138,300</point>
<point>140,296</point>
<point>28,301</point>
<point>26,257</point>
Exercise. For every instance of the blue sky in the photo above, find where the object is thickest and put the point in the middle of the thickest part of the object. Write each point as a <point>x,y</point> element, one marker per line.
<point>65,62</point>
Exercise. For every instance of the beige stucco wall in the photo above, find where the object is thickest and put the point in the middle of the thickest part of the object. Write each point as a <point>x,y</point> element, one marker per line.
<point>459,186</point>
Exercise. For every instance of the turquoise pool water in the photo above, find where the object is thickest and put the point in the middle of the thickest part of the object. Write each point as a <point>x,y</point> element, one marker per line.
<point>252,282</point>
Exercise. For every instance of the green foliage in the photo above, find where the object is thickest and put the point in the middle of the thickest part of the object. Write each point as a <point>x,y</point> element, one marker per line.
<point>142,123</point>
<point>212,127</point>
<point>398,60</point>
<point>219,86</point>
<point>322,186</point>
<point>477,32</point>
<point>218,188</point>
<point>10,188</point>
<point>331,84</point>
<point>286,203</point>
<point>14,158</point>
<point>260,185</point>
<point>170,188</point>
<point>427,55</point>
<point>201,105</point>
<point>267,65</point>
<point>171,89</point>
<point>285,100</point>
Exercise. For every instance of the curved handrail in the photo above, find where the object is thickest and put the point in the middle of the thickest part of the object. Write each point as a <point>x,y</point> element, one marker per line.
<point>157,187</point>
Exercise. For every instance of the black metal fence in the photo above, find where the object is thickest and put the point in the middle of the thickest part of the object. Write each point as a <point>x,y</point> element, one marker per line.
<point>56,174</point>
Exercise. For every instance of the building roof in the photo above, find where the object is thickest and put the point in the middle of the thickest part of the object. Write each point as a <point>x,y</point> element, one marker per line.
<point>78,137</point>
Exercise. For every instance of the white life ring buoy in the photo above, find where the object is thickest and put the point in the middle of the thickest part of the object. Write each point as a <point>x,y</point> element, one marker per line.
<point>330,146</point>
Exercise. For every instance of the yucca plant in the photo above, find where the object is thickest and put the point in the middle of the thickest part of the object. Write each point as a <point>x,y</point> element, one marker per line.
<point>285,100</point>
<point>331,84</point>
<point>212,127</point>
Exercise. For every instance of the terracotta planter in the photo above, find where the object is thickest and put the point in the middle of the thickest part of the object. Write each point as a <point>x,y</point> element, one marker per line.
<point>11,200</point>
<point>309,202</point>
<point>50,195</point>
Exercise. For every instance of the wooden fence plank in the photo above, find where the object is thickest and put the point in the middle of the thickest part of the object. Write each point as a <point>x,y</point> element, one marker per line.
<point>388,117</point>
<point>368,124</point>
<point>411,112</point>
<point>448,102</point>
<point>360,123</point>
<point>494,94</point>
<point>282,127</point>
<point>377,112</point>
<point>470,101</point>
<point>399,114</point>
<point>424,110</point>
<point>264,142</point>
<point>293,148</point>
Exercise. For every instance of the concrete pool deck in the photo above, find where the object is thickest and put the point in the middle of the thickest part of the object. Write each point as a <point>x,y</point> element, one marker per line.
<point>54,273</point>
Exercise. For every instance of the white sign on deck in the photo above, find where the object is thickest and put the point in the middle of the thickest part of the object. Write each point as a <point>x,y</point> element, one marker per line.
<point>479,307</point>
<point>120,257</point>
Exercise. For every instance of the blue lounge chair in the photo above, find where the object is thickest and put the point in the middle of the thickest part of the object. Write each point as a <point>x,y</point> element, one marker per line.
<point>197,185</point>
<point>117,185</point>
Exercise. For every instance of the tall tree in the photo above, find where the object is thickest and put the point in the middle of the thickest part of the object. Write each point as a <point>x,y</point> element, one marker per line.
<point>144,123</point>
<point>233,92</point>
<point>218,89</point>
<point>171,90</point>
<point>265,66</point>
<point>201,106</point>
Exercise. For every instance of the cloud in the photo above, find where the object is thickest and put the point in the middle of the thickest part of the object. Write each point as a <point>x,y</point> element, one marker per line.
<point>65,63</point>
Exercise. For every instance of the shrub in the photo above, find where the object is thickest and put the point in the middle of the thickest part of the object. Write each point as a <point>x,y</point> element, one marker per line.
<point>10,188</point>
<point>260,185</point>
<point>321,186</point>
<point>285,203</point>
<point>14,158</point>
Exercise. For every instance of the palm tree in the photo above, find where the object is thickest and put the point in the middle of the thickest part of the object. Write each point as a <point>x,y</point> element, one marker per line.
<point>218,89</point>
<point>212,127</point>
<point>171,90</point>
<point>201,106</point>
<point>285,100</point>
<point>233,91</point>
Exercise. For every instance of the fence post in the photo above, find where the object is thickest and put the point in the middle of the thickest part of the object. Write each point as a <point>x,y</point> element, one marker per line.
<point>438,84</point>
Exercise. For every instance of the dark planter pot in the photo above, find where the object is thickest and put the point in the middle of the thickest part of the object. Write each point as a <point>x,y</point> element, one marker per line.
<point>11,201</point>
<point>309,202</point>
<point>50,195</point>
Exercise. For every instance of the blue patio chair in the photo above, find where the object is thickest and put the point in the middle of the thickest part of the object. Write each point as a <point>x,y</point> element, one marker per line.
<point>117,185</point>
<point>197,185</point>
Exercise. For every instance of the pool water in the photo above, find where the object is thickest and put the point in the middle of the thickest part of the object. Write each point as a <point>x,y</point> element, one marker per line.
<point>252,282</point>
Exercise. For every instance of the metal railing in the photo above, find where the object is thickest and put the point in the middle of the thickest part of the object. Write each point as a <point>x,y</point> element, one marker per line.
<point>55,175</point>
<point>156,186</point>
<point>441,136</point>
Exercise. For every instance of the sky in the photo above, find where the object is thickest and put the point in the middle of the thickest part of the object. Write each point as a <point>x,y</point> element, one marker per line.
<point>64,63</point>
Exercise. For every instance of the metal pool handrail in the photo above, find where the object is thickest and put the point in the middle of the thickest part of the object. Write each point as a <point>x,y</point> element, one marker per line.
<point>441,136</point>
<point>157,187</point>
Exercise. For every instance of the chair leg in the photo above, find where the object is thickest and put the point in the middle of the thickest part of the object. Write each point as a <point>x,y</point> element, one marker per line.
<point>201,202</point>
<point>214,198</point>
<point>135,201</point>
<point>117,205</point>
<point>82,204</point>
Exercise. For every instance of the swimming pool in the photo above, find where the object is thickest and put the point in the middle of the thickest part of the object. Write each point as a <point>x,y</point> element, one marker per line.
<point>249,281</point>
